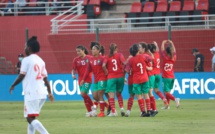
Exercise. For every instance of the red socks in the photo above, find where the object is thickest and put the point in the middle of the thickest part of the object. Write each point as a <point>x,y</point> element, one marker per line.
<point>148,105</point>
<point>88,102</point>
<point>130,103</point>
<point>160,95</point>
<point>112,104</point>
<point>141,105</point>
<point>102,106</point>
<point>169,96</point>
<point>120,100</point>
<point>153,103</point>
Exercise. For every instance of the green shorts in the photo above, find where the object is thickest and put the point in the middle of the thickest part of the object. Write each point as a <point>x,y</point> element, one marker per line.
<point>115,85</point>
<point>142,88</point>
<point>85,87</point>
<point>130,89</point>
<point>151,81</point>
<point>157,81</point>
<point>167,84</point>
<point>100,85</point>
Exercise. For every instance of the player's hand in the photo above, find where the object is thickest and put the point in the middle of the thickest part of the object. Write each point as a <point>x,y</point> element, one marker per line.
<point>11,89</point>
<point>82,82</point>
<point>74,77</point>
<point>125,81</point>
<point>51,97</point>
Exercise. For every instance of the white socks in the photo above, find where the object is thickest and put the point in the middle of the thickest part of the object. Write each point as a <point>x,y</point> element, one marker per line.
<point>39,127</point>
<point>31,129</point>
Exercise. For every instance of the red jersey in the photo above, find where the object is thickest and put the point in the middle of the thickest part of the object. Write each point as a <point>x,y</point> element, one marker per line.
<point>95,65</point>
<point>80,65</point>
<point>168,70</point>
<point>156,63</point>
<point>115,66</point>
<point>138,66</point>
<point>149,64</point>
<point>130,75</point>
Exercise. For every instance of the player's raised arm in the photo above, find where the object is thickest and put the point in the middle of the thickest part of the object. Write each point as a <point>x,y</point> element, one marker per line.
<point>155,43</point>
<point>163,45</point>
<point>172,45</point>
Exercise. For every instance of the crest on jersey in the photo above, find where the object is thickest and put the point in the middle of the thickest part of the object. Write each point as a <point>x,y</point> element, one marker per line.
<point>98,61</point>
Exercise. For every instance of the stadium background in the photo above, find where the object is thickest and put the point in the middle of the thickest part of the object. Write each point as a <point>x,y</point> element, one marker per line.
<point>58,50</point>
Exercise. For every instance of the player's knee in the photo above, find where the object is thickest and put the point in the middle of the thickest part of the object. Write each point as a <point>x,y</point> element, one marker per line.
<point>83,94</point>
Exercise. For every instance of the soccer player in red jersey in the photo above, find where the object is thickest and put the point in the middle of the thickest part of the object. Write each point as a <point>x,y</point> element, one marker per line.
<point>100,78</point>
<point>137,64</point>
<point>169,58</point>
<point>145,49</point>
<point>114,68</point>
<point>79,65</point>
<point>102,51</point>
<point>130,87</point>
<point>156,71</point>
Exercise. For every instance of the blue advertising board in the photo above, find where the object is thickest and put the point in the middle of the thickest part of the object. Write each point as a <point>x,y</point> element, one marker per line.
<point>186,86</point>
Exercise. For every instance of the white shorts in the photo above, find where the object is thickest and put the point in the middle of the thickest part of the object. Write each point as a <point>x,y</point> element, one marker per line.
<point>32,108</point>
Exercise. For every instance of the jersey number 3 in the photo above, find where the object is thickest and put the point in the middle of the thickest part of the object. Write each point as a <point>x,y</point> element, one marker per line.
<point>115,64</point>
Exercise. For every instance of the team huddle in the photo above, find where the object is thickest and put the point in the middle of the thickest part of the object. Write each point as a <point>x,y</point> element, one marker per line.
<point>143,68</point>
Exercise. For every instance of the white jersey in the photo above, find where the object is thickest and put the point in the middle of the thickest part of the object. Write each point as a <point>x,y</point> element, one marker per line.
<point>33,85</point>
<point>213,61</point>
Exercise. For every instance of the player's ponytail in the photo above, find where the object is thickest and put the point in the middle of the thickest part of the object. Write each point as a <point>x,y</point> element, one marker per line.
<point>168,51</point>
<point>112,48</point>
<point>102,50</point>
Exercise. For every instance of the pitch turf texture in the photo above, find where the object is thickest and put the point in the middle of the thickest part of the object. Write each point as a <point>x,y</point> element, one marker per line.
<point>193,117</point>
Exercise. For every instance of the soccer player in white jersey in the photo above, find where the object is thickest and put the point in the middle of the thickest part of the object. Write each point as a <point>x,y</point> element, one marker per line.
<point>34,75</point>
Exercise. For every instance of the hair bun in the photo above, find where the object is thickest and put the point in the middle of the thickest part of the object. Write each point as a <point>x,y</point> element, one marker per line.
<point>34,37</point>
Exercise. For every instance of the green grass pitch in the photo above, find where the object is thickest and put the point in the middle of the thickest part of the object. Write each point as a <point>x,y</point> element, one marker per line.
<point>68,117</point>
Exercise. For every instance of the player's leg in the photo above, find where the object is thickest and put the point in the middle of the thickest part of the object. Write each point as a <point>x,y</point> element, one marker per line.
<point>158,92</point>
<point>95,94</point>
<point>119,89</point>
<point>151,96</point>
<point>168,85</point>
<point>111,89</point>
<point>32,110</point>
<point>138,93</point>
<point>84,93</point>
<point>101,90</point>
<point>107,105</point>
<point>130,100</point>
<point>145,91</point>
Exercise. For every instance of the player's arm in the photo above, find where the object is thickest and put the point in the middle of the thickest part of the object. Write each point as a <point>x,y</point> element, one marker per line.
<point>214,67</point>
<point>122,59</point>
<point>87,72</point>
<point>157,48</point>
<point>73,74</point>
<point>198,63</point>
<point>128,66</point>
<point>17,81</point>
<point>73,68</point>
<point>50,96</point>
<point>163,45</point>
<point>104,67</point>
<point>172,45</point>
